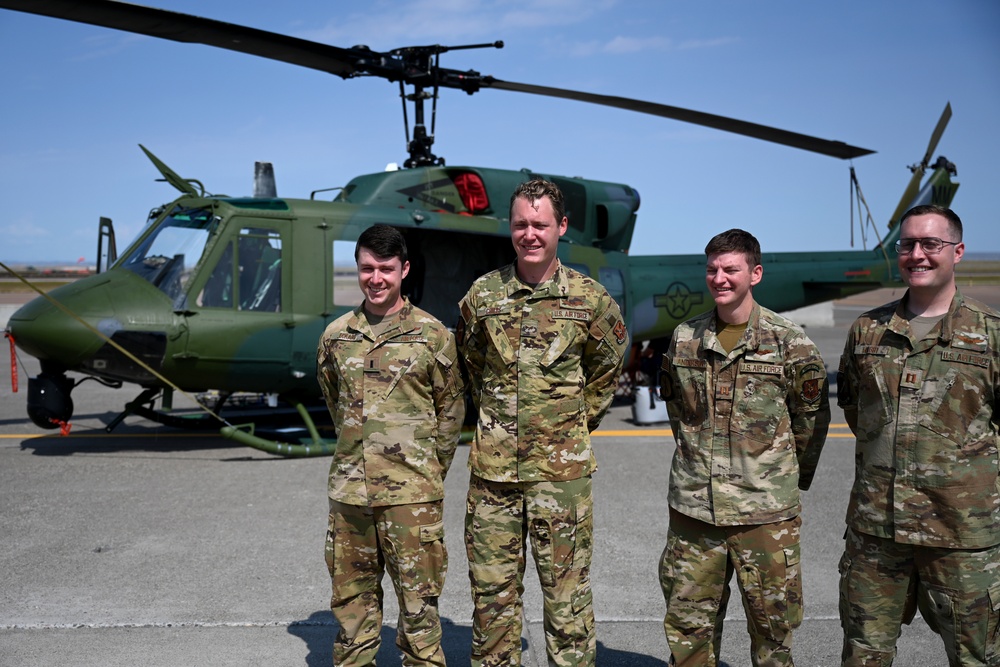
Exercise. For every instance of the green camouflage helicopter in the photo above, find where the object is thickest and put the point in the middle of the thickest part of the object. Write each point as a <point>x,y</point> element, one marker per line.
<point>230,295</point>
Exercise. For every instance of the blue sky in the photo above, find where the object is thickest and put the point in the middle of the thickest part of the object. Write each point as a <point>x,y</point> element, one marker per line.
<point>79,99</point>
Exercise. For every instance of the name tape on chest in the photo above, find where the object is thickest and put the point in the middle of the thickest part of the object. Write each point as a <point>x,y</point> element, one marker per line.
<point>965,358</point>
<point>408,338</point>
<point>757,367</point>
<point>489,311</point>
<point>563,314</point>
<point>689,363</point>
<point>878,350</point>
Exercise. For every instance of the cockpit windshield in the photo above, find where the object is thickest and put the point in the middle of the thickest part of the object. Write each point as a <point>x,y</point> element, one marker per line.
<point>167,256</point>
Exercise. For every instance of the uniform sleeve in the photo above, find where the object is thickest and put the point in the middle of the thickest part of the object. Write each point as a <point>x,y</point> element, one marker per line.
<point>669,387</point>
<point>449,401</point>
<point>847,382</point>
<point>603,358</point>
<point>326,373</point>
<point>471,341</point>
<point>808,406</point>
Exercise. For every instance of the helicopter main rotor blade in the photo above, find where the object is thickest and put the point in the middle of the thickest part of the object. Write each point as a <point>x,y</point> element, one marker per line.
<point>936,136</point>
<point>179,27</point>
<point>411,65</point>
<point>836,149</point>
<point>919,169</point>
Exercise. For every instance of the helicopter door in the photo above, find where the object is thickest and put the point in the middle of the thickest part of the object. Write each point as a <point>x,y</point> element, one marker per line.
<point>238,330</point>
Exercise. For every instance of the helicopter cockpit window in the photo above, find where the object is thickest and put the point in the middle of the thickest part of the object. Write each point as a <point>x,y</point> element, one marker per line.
<point>250,278</point>
<point>166,257</point>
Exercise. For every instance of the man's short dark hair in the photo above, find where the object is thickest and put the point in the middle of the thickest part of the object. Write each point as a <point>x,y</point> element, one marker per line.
<point>382,241</point>
<point>535,190</point>
<point>735,240</point>
<point>954,222</point>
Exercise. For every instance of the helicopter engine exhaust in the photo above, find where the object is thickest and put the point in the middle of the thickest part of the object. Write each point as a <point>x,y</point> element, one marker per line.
<point>263,181</point>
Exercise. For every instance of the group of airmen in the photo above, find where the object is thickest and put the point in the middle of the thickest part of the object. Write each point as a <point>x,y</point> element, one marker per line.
<point>540,348</point>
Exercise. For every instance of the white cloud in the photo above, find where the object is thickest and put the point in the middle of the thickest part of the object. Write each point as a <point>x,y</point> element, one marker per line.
<point>620,44</point>
<point>706,43</point>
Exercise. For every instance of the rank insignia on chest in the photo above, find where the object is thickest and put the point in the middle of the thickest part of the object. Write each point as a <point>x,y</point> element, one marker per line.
<point>911,379</point>
<point>724,391</point>
<point>372,365</point>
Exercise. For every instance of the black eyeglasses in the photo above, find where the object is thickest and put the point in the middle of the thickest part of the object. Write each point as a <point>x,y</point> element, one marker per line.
<point>931,245</point>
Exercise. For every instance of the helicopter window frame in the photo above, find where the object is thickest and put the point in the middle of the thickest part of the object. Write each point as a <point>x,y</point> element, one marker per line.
<point>167,253</point>
<point>259,258</point>
<point>247,271</point>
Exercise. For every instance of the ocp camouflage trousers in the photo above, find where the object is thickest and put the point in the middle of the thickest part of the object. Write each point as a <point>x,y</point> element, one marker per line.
<point>557,519</point>
<point>695,570</point>
<point>362,543</point>
<point>883,583</point>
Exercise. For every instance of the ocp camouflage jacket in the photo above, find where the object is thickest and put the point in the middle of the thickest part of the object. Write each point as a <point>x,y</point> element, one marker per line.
<point>925,413</point>
<point>397,402</point>
<point>543,363</point>
<point>749,425</point>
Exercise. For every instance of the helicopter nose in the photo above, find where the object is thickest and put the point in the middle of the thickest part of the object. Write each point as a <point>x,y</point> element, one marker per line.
<point>48,330</point>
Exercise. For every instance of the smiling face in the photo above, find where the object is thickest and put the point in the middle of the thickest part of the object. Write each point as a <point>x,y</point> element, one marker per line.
<point>924,273</point>
<point>535,232</point>
<point>381,279</point>
<point>729,277</point>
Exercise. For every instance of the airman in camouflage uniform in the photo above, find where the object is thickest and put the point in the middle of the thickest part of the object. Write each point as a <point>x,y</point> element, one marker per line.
<point>919,383</point>
<point>391,378</point>
<point>746,394</point>
<point>543,346</point>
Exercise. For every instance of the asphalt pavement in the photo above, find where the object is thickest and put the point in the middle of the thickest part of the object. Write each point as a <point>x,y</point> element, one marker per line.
<point>157,547</point>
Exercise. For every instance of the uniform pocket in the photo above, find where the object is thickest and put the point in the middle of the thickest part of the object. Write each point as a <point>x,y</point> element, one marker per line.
<point>874,401</point>
<point>793,585</point>
<point>993,624</point>
<point>432,560</point>
<point>692,388</point>
<point>761,406</point>
<point>953,407</point>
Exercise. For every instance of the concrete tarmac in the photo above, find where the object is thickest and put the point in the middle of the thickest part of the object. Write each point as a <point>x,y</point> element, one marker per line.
<point>157,547</point>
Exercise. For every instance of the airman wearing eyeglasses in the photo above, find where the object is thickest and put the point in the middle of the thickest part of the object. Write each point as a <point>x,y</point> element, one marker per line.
<point>919,383</point>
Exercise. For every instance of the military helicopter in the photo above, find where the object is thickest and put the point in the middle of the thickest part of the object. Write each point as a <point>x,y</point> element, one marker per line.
<point>230,295</point>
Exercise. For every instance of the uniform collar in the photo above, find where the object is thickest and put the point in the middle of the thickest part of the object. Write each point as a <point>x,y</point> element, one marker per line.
<point>402,324</point>
<point>899,324</point>
<point>750,339</point>
<point>556,286</point>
